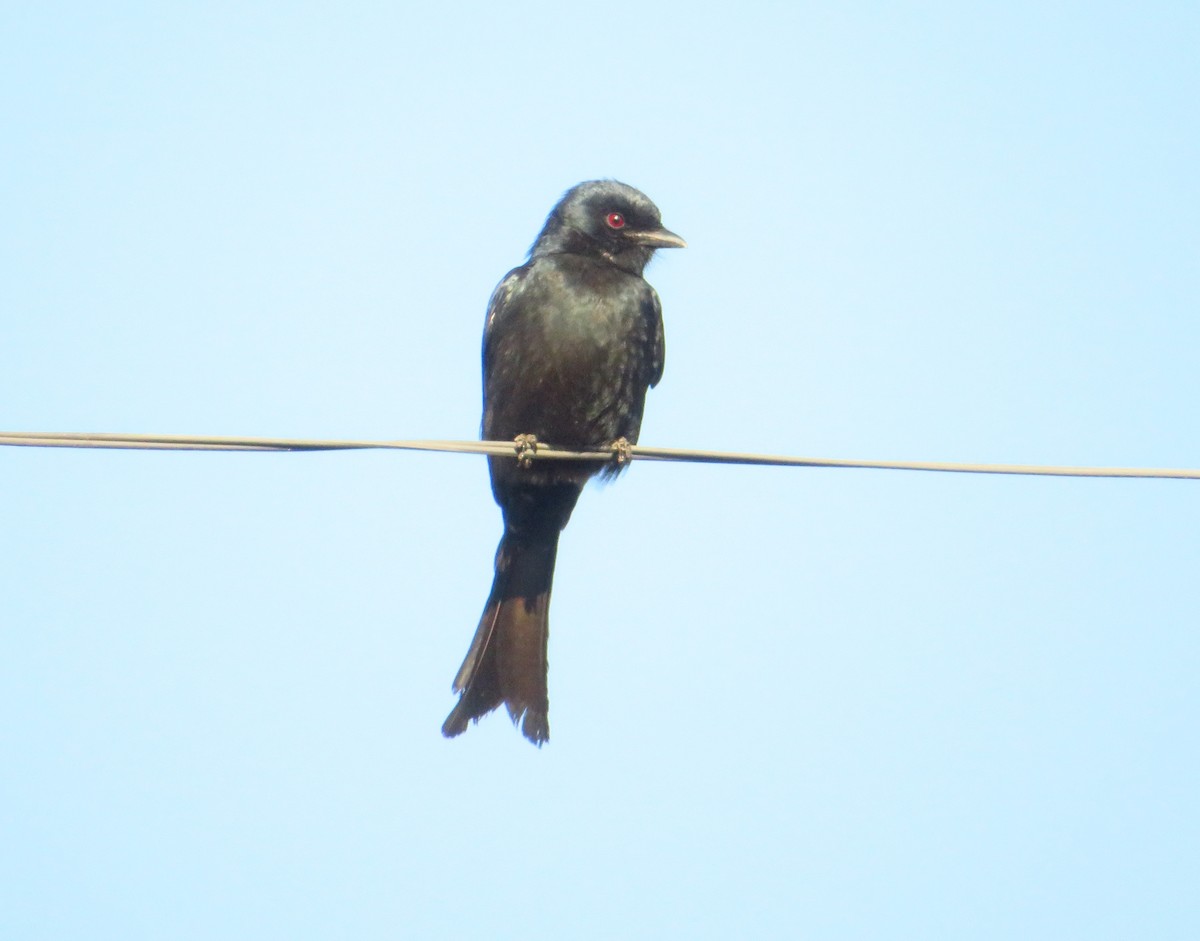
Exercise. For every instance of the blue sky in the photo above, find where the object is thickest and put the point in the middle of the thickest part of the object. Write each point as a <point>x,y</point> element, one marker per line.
<point>785,703</point>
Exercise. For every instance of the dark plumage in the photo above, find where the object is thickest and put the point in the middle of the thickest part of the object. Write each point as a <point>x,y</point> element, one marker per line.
<point>573,340</point>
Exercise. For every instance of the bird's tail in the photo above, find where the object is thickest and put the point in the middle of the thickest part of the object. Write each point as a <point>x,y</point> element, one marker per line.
<point>507,660</point>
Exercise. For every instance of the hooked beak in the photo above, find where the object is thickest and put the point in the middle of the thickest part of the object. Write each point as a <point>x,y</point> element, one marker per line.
<point>657,238</point>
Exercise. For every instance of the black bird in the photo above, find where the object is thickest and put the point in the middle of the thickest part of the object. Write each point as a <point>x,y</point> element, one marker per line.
<point>573,340</point>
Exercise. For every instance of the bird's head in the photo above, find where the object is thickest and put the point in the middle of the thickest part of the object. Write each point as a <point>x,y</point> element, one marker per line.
<point>609,220</point>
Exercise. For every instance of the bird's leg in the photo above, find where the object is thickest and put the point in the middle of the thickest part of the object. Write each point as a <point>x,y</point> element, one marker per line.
<point>526,447</point>
<point>622,451</point>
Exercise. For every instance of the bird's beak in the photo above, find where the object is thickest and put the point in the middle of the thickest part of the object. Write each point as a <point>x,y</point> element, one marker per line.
<point>657,238</point>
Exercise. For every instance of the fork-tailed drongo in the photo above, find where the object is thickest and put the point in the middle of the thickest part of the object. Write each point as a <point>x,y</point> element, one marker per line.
<point>573,340</point>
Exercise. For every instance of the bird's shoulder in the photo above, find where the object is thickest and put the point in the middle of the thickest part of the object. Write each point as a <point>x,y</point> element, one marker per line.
<point>503,295</point>
<point>652,311</point>
<point>551,285</point>
<point>559,277</point>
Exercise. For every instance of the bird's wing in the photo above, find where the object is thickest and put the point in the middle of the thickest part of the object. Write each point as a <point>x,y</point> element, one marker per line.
<point>652,311</point>
<point>500,298</point>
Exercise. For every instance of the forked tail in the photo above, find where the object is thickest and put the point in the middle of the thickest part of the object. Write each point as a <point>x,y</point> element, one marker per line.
<point>507,660</point>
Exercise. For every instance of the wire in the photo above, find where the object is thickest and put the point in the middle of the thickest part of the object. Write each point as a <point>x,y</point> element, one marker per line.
<point>548,452</point>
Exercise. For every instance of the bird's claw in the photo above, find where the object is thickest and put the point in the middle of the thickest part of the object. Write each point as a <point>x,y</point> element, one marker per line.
<point>526,448</point>
<point>622,451</point>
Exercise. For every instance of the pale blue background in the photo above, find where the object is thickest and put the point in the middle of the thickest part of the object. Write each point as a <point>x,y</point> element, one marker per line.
<point>785,703</point>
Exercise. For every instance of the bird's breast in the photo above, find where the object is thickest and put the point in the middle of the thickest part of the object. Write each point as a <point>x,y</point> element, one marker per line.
<point>567,358</point>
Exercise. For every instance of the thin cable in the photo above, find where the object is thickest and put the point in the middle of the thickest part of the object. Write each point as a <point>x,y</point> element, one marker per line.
<point>548,452</point>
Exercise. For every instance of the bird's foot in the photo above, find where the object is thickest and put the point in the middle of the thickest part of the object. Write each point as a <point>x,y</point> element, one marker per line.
<point>526,447</point>
<point>622,451</point>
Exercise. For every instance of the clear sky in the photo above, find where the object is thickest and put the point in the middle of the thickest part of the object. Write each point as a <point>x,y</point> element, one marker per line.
<point>817,704</point>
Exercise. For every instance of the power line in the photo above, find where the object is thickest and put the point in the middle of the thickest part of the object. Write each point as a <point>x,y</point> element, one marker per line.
<point>548,452</point>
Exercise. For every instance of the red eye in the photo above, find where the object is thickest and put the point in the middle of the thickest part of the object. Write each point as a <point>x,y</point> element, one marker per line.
<point>615,220</point>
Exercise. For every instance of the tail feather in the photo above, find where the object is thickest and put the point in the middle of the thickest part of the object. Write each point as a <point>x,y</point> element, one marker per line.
<point>507,659</point>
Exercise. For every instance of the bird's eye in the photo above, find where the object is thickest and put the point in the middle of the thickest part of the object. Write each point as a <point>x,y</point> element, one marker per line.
<point>615,220</point>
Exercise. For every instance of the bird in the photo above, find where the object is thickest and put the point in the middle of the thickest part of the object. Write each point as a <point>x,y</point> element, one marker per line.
<point>572,341</point>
